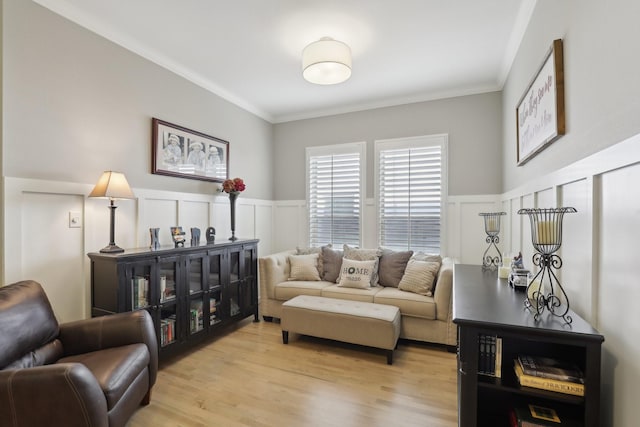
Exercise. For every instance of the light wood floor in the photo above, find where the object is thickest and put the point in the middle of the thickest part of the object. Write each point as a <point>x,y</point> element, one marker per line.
<point>247,377</point>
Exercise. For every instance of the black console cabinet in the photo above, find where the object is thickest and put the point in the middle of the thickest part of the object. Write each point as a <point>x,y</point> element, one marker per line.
<point>190,292</point>
<point>486,305</point>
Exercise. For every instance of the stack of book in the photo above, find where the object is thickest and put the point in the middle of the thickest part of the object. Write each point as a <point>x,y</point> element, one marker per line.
<point>490,355</point>
<point>167,330</point>
<point>549,374</point>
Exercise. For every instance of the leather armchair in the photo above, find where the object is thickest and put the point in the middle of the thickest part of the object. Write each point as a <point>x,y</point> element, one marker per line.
<point>93,372</point>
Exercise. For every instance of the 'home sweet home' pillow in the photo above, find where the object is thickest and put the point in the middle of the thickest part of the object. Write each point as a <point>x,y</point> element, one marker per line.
<point>304,267</point>
<point>358,254</point>
<point>356,274</point>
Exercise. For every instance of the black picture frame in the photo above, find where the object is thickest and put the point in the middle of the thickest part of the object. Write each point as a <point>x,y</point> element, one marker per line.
<point>186,153</point>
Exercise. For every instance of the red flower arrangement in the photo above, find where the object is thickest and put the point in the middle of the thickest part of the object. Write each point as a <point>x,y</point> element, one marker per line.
<point>233,185</point>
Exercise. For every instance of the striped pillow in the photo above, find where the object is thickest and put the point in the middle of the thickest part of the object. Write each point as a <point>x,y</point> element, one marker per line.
<point>419,277</point>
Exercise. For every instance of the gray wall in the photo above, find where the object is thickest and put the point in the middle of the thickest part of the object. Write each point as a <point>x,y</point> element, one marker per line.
<point>76,104</point>
<point>602,88</point>
<point>472,122</point>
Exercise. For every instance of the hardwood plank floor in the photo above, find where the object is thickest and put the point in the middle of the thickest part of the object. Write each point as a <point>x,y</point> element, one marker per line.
<point>247,377</point>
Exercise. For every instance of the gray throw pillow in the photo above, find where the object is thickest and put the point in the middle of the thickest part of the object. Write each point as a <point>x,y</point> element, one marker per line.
<point>392,266</point>
<point>331,263</point>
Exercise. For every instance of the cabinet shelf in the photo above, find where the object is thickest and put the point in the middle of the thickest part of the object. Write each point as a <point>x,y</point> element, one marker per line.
<point>486,306</point>
<point>190,292</point>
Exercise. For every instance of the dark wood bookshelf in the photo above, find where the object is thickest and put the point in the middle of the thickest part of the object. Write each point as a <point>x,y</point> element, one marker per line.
<point>191,292</point>
<point>485,304</point>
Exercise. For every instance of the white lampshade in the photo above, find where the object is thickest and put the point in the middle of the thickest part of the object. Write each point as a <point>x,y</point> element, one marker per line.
<point>113,185</point>
<point>326,62</point>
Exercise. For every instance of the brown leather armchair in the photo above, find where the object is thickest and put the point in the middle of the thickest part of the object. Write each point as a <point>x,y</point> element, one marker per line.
<point>93,372</point>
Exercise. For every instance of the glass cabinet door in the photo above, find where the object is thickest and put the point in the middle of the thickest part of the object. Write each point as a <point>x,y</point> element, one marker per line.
<point>197,297</point>
<point>248,297</point>
<point>167,297</point>
<point>233,291</point>
<point>138,292</point>
<point>215,280</point>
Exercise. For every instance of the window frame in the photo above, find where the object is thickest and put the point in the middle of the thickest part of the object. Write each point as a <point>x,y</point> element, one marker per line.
<point>336,149</point>
<point>441,140</point>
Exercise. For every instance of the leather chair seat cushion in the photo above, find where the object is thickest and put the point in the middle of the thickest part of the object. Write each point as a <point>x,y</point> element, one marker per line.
<point>115,368</point>
<point>410,304</point>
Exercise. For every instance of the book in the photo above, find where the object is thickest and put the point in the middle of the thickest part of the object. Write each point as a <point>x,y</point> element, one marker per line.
<point>550,384</point>
<point>490,355</point>
<point>547,367</point>
<point>538,416</point>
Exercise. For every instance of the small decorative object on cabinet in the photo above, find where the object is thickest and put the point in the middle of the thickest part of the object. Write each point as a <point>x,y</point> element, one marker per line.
<point>211,235</point>
<point>544,289</point>
<point>195,236</point>
<point>180,288</point>
<point>487,390</point>
<point>178,236</point>
<point>492,228</point>
<point>154,233</point>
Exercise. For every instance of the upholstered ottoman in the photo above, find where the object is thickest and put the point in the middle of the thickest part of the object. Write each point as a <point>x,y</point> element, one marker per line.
<point>355,322</point>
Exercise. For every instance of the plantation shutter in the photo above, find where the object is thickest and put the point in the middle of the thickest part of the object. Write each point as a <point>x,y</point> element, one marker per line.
<point>334,199</point>
<point>410,197</point>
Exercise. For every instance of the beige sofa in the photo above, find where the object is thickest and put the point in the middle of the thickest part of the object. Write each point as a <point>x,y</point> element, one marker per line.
<point>424,318</point>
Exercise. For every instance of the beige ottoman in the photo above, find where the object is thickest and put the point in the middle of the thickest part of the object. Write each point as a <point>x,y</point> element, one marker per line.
<point>363,323</point>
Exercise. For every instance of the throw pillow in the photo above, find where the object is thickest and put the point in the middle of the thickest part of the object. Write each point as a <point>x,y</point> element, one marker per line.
<point>423,256</point>
<point>358,254</point>
<point>419,277</point>
<point>304,267</point>
<point>307,251</point>
<point>331,262</point>
<point>356,274</point>
<point>392,266</point>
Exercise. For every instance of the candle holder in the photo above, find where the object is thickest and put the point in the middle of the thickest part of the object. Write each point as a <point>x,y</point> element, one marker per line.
<point>492,228</point>
<point>546,236</point>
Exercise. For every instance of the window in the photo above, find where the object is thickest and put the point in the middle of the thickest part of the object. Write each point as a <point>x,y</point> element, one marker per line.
<point>411,177</point>
<point>335,186</point>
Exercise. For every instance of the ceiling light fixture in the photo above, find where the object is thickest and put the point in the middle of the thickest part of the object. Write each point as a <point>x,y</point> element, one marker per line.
<point>326,62</point>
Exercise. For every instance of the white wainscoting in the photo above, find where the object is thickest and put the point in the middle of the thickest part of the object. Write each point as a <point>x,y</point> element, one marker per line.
<point>40,245</point>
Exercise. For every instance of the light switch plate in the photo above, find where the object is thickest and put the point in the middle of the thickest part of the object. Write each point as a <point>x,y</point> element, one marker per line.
<point>75,219</point>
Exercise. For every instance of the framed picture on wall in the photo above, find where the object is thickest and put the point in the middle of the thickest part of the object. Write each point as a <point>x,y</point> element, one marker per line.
<point>185,153</point>
<point>540,115</point>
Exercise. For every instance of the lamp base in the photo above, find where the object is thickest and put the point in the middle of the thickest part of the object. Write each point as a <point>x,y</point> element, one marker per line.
<point>111,249</point>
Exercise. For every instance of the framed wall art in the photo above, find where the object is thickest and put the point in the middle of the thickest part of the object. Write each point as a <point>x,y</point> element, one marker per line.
<point>178,151</point>
<point>540,115</point>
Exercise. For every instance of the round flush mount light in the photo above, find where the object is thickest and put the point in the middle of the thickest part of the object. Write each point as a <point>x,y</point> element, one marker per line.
<point>326,62</point>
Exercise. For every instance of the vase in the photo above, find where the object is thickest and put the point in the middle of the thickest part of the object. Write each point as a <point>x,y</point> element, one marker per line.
<point>233,196</point>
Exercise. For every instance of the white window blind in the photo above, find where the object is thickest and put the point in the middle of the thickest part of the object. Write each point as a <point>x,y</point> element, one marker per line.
<point>334,195</point>
<point>410,193</point>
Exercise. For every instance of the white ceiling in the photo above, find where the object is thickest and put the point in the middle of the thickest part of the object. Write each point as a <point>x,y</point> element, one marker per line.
<point>249,51</point>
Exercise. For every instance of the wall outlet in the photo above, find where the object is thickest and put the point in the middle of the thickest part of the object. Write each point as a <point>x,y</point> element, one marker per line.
<point>75,219</point>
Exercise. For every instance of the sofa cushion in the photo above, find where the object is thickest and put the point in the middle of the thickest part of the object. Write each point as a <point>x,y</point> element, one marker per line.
<point>286,290</point>
<point>304,267</point>
<point>115,368</point>
<point>419,277</point>
<point>353,294</point>
<point>410,304</point>
<point>392,266</point>
<point>423,256</point>
<point>331,263</point>
<point>356,274</point>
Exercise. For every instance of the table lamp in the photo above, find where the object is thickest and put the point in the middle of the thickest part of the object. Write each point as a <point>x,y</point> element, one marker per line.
<point>113,185</point>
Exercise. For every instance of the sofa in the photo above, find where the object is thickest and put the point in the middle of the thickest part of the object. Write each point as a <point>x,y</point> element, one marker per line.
<point>425,316</point>
<point>93,372</point>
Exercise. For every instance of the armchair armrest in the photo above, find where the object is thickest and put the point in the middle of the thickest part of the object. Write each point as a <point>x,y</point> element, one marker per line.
<point>115,330</point>
<point>64,394</point>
